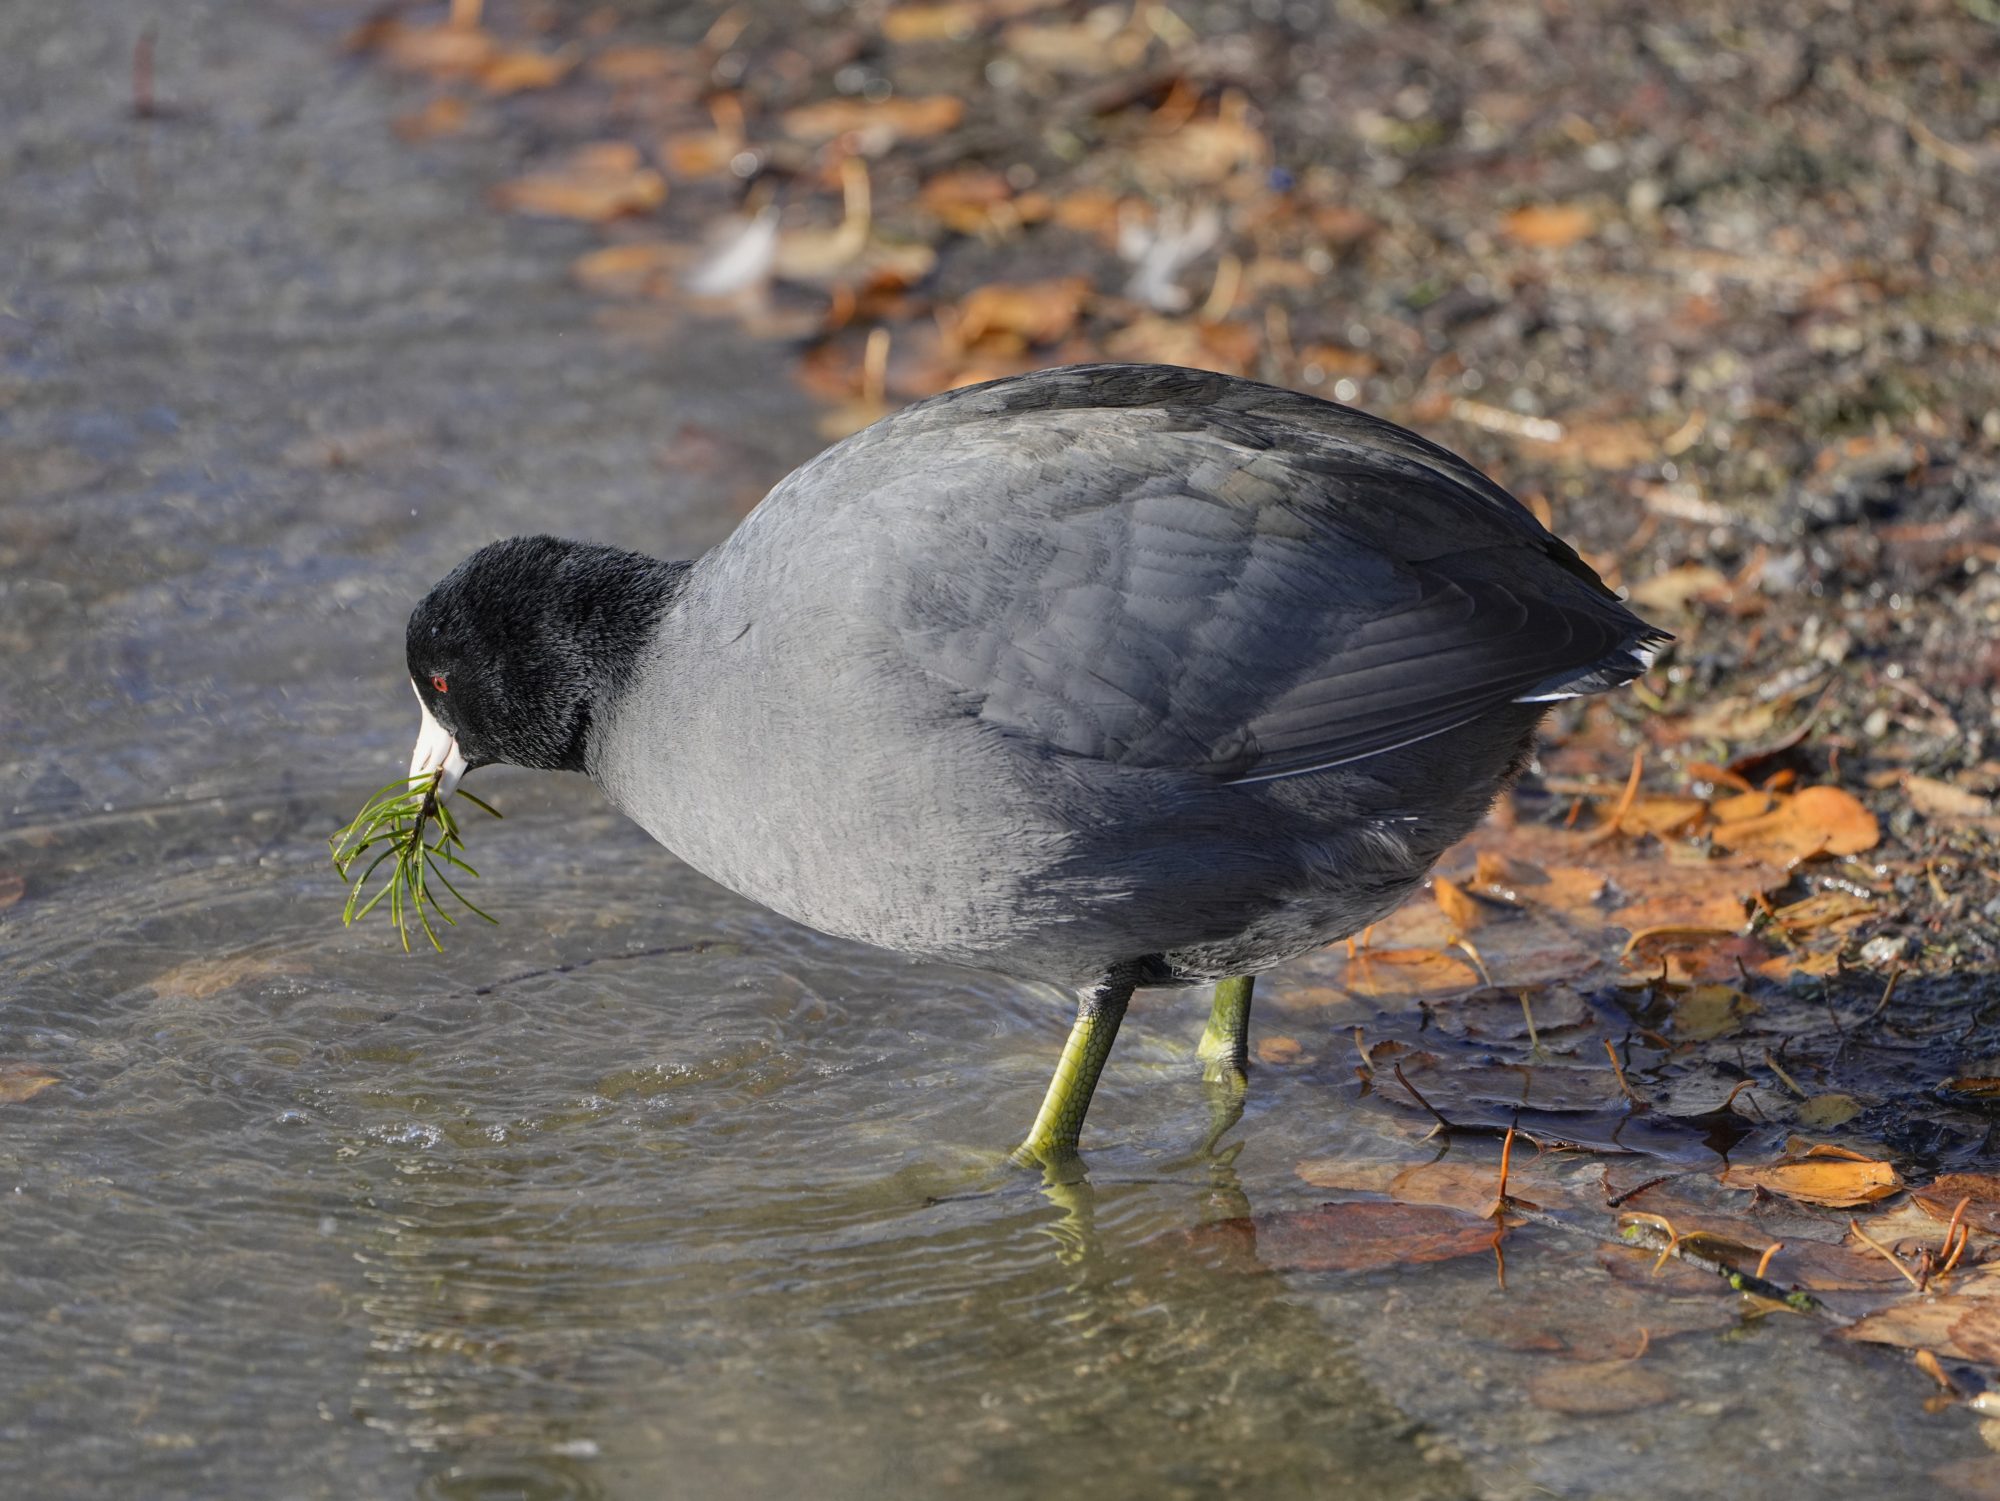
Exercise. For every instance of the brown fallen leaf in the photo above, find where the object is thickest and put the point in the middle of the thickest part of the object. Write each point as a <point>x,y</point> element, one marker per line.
<point>972,200</point>
<point>951,21</point>
<point>519,70</point>
<point>879,123</point>
<point>1825,1111</point>
<point>1350,1174</point>
<point>1100,43</point>
<point>1710,1011</point>
<point>1956,1327</point>
<point>596,183</point>
<point>1936,799</point>
<point>1677,590</point>
<point>199,979</point>
<point>1940,1199</point>
<point>1201,153</point>
<point>1836,1182</point>
<point>1829,909</point>
<point>1975,1479</point>
<point>1278,1051</point>
<point>1474,1186</point>
<point>23,1081</point>
<point>443,116</point>
<point>1362,1236</point>
<point>1598,1387</point>
<point>1973,1086</point>
<point>1406,973</point>
<point>1041,312</point>
<point>640,268</point>
<point>1607,445</point>
<point>1549,226</point>
<point>639,63</point>
<point>443,51</point>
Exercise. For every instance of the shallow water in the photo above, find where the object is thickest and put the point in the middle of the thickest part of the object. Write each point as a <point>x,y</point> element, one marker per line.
<point>646,1192</point>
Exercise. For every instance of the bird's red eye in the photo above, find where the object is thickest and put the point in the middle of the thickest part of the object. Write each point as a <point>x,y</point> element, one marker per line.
<point>439,683</point>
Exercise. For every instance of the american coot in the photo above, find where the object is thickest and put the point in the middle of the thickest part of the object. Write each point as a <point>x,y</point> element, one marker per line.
<point>1107,676</point>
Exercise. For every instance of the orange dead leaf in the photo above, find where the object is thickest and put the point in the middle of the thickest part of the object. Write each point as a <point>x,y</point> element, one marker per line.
<point>595,183</point>
<point>443,116</point>
<point>1813,821</point>
<point>1661,815</point>
<point>1836,1182</point>
<point>1460,910</point>
<point>1743,805</point>
<point>1549,226</point>
<point>1408,972</point>
<point>22,1081</point>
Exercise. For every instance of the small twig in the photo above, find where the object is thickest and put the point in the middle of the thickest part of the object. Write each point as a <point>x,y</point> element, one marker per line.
<point>1964,1232</point>
<point>1764,1261</point>
<point>1931,1367</point>
<point>1890,1256</point>
<point>144,105</point>
<point>1894,110</point>
<point>1616,1067</point>
<point>1465,944</point>
<point>1788,1081</point>
<point>1625,801</point>
<point>1633,1193</point>
<point>1644,1232</point>
<point>1887,991</point>
<point>1746,1084</point>
<point>1417,1095</point>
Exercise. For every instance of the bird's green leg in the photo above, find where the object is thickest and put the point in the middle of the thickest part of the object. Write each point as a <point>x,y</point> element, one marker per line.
<point>1052,1139</point>
<point>1225,1042</point>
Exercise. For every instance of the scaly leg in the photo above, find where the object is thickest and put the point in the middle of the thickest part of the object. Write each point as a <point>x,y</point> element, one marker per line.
<point>1225,1042</point>
<point>1052,1139</point>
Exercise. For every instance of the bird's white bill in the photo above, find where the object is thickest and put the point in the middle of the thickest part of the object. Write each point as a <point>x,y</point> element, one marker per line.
<point>435,748</point>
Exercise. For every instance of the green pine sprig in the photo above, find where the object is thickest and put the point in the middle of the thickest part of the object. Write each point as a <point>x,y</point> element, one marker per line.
<point>396,823</point>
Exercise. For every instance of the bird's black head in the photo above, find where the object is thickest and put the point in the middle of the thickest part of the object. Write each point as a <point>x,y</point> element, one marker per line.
<point>513,650</point>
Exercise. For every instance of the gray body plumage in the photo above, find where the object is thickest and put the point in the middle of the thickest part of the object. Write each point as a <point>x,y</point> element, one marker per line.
<point>1105,667</point>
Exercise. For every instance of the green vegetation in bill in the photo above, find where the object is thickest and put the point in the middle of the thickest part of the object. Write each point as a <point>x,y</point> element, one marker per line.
<point>395,823</point>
